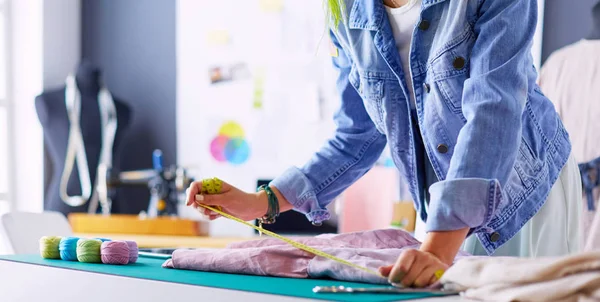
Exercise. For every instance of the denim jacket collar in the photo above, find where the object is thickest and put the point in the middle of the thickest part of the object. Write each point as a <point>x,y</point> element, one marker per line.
<point>368,14</point>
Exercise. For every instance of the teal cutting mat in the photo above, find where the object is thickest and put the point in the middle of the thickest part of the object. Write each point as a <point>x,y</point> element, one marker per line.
<point>149,268</point>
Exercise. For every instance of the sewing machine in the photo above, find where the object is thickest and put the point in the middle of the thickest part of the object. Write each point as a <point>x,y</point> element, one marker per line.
<point>167,185</point>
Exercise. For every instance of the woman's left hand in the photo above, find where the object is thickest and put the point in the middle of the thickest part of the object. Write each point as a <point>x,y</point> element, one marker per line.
<point>414,268</point>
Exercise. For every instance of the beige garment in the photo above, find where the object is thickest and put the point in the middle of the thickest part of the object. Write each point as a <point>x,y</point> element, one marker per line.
<point>570,78</point>
<point>567,278</point>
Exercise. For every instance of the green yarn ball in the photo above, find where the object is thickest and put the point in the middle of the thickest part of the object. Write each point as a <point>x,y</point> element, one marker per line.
<point>211,186</point>
<point>88,250</point>
<point>49,247</point>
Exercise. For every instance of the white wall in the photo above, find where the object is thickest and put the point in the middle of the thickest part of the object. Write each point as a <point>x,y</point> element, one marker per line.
<point>45,48</point>
<point>27,80</point>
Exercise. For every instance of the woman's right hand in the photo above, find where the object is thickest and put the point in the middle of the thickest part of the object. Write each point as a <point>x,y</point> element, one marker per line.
<point>233,201</point>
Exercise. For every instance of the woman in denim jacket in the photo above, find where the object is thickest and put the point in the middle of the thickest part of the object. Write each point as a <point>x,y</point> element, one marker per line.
<point>450,86</point>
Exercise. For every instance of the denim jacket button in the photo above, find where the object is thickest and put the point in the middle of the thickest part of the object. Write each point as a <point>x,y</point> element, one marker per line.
<point>424,25</point>
<point>494,237</point>
<point>427,87</point>
<point>459,63</point>
<point>442,148</point>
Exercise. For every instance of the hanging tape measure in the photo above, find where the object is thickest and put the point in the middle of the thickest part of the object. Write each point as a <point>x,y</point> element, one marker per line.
<point>214,185</point>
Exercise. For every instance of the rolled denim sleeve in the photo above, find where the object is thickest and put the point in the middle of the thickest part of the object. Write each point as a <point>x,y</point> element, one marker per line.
<point>493,101</point>
<point>352,151</point>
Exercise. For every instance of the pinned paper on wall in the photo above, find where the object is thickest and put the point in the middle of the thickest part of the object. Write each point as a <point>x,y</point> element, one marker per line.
<point>218,37</point>
<point>271,6</point>
<point>259,89</point>
<point>228,72</point>
<point>230,145</point>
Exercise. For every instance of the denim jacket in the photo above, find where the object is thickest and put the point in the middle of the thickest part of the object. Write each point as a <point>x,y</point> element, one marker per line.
<point>494,141</point>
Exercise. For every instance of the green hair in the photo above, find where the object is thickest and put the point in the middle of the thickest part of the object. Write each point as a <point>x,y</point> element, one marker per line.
<point>334,10</point>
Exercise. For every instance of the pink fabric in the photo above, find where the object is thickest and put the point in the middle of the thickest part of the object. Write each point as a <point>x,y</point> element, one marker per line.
<point>272,257</point>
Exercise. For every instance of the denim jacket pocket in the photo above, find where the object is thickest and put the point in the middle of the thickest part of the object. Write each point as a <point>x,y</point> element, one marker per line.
<point>528,167</point>
<point>525,174</point>
<point>449,69</point>
<point>370,88</point>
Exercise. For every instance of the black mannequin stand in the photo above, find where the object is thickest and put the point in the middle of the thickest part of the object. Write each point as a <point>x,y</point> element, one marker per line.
<point>52,113</point>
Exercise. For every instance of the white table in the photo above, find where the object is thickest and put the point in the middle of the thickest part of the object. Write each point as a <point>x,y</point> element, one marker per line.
<point>22,282</point>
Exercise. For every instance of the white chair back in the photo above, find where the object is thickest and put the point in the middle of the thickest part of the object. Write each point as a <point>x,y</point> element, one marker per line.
<point>20,232</point>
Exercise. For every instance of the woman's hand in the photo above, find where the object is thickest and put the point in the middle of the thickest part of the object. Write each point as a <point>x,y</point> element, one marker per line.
<point>414,268</point>
<point>246,206</point>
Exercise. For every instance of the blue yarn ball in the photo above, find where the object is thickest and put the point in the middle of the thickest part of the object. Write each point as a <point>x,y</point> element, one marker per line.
<point>68,248</point>
<point>103,239</point>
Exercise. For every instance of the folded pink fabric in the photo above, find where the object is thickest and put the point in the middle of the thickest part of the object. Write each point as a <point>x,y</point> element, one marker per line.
<point>272,257</point>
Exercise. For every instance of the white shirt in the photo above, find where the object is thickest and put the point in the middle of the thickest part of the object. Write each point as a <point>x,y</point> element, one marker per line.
<point>570,78</point>
<point>403,21</point>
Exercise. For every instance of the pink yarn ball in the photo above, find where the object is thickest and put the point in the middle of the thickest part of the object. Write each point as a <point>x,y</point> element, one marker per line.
<point>133,251</point>
<point>114,252</point>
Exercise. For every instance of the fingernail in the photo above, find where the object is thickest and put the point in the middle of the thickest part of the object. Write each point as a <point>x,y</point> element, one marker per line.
<point>399,285</point>
<point>199,197</point>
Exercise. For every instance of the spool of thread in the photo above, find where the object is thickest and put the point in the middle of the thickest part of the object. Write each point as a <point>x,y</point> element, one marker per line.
<point>68,248</point>
<point>49,247</point>
<point>114,252</point>
<point>88,250</point>
<point>103,239</point>
<point>133,251</point>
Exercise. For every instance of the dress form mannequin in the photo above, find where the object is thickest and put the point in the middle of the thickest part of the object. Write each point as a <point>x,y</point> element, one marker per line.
<point>595,34</point>
<point>52,113</point>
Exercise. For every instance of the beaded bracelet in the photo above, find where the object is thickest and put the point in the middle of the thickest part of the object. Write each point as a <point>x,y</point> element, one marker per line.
<point>273,209</point>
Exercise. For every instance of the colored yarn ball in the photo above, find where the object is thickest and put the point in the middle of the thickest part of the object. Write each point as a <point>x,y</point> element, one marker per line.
<point>88,250</point>
<point>103,239</point>
<point>133,251</point>
<point>68,248</point>
<point>114,252</point>
<point>211,185</point>
<point>49,247</point>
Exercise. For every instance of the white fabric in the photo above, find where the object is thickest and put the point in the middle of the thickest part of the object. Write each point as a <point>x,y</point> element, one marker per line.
<point>570,79</point>
<point>566,278</point>
<point>403,20</point>
<point>554,230</point>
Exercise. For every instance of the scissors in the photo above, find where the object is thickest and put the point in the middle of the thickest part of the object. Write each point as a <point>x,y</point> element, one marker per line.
<point>382,290</point>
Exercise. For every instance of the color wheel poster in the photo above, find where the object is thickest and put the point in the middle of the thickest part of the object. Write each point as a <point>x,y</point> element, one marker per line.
<point>229,145</point>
